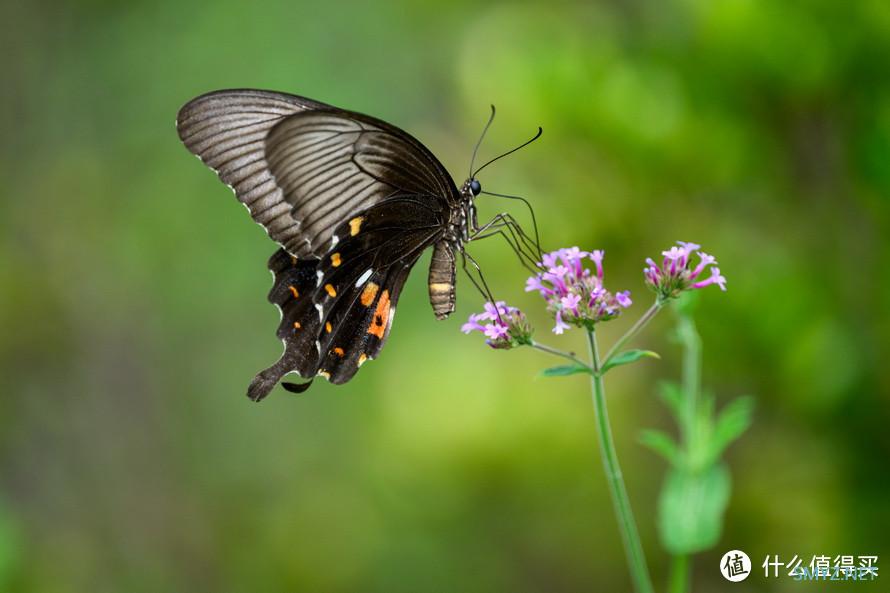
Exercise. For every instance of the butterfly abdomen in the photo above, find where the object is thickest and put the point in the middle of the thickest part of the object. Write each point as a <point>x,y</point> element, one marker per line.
<point>441,279</point>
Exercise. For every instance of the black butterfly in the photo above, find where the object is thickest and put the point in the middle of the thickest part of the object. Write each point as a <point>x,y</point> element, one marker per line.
<point>353,202</point>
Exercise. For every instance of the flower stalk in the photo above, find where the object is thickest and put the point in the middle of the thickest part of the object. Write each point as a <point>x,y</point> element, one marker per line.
<point>634,330</point>
<point>555,352</point>
<point>679,580</point>
<point>690,375</point>
<point>575,296</point>
<point>636,559</point>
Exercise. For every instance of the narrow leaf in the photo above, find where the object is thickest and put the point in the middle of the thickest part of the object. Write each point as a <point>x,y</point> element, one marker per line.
<point>627,357</point>
<point>662,444</point>
<point>732,422</point>
<point>672,396</point>
<point>565,370</point>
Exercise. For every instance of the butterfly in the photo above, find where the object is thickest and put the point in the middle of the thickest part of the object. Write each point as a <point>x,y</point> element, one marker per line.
<point>352,202</point>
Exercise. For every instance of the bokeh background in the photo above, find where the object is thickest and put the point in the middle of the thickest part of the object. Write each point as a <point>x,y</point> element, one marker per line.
<point>133,311</point>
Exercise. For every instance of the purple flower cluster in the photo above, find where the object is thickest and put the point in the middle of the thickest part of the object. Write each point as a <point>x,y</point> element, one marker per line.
<point>507,327</point>
<point>575,294</point>
<point>675,275</point>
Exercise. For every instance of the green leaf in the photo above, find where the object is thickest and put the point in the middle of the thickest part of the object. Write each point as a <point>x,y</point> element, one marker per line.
<point>691,507</point>
<point>565,370</point>
<point>672,396</point>
<point>661,444</point>
<point>627,357</point>
<point>732,422</point>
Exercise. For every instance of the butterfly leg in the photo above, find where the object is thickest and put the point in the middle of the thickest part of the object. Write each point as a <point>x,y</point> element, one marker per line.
<point>506,220</point>
<point>533,245</point>
<point>525,259</point>
<point>480,285</point>
<point>504,224</point>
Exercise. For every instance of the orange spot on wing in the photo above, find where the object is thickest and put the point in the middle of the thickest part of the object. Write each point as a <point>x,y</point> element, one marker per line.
<point>335,260</point>
<point>355,224</point>
<point>293,290</point>
<point>330,290</point>
<point>297,325</point>
<point>327,326</point>
<point>368,294</point>
<point>381,316</point>
<point>338,351</point>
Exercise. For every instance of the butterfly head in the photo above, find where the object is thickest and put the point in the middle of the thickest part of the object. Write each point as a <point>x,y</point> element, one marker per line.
<point>470,189</point>
<point>475,187</point>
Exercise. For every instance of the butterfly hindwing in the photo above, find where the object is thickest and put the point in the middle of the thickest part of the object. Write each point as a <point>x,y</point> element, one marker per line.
<point>295,281</point>
<point>337,311</point>
<point>367,269</point>
<point>360,326</point>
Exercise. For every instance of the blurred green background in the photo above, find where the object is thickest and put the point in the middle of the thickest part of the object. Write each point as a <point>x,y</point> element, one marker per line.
<point>133,285</point>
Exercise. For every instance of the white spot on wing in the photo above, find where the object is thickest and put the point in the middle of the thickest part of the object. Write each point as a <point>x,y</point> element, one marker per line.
<point>320,310</point>
<point>364,277</point>
<point>334,240</point>
<point>319,275</point>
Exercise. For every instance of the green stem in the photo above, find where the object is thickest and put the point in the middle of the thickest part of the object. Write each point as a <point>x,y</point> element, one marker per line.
<point>626,524</point>
<point>634,330</point>
<point>555,352</point>
<point>691,377</point>
<point>679,582</point>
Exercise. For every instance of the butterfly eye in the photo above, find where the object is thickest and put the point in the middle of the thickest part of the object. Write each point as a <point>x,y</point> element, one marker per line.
<point>475,187</point>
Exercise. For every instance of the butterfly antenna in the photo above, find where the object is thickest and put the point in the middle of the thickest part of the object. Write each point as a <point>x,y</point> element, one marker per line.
<point>523,145</point>
<point>479,142</point>
<point>530,210</point>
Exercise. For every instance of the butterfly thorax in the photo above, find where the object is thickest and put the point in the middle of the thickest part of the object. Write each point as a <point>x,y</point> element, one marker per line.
<point>468,192</point>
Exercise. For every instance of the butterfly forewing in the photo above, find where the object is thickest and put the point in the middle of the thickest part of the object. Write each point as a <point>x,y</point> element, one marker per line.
<point>332,164</point>
<point>227,130</point>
